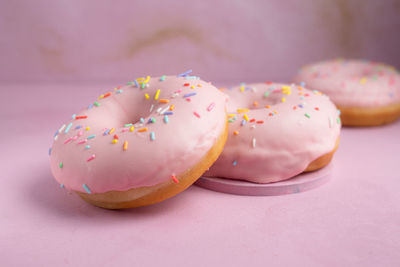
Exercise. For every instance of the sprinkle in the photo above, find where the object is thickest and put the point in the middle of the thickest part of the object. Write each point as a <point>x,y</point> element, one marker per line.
<point>211,106</point>
<point>189,95</point>
<point>266,94</point>
<point>252,120</point>
<point>283,99</point>
<point>300,105</point>
<point>111,130</point>
<point>96,104</point>
<point>183,74</point>
<point>234,163</point>
<point>141,120</point>
<point>86,188</point>
<point>243,122</point>
<point>147,96</point>
<point>131,129</point>
<point>61,165</point>
<point>116,136</point>
<point>172,107</point>
<point>73,116</point>
<point>61,185</point>
<point>246,117</point>
<point>259,122</point>
<point>82,141</point>
<point>90,106</point>
<point>192,87</point>
<point>164,101</point>
<point>49,151</point>
<point>267,106</point>
<point>151,108</point>
<point>302,84</point>
<point>107,94</point>
<point>151,120</point>
<point>68,127</point>
<point>162,78</point>
<point>230,120</point>
<point>92,157</point>
<point>127,124</point>
<point>75,137</point>
<point>242,87</point>
<point>136,83</point>
<point>235,132</point>
<point>316,108</point>
<point>330,122</point>
<point>68,140</point>
<point>253,142</point>
<point>255,103</point>
<point>119,91</point>
<point>174,179</point>
<point>157,94</point>
<point>78,127</point>
<point>188,99</point>
<point>125,130</point>
<point>91,136</point>
<point>142,130</point>
<point>125,146</point>
<point>186,84</point>
<point>152,136</point>
<point>166,119</point>
<point>168,113</point>
<point>242,110</point>
<point>106,132</point>
<point>363,80</point>
<point>87,146</point>
<point>114,141</point>
<point>196,114</point>
<point>338,120</point>
<point>308,116</point>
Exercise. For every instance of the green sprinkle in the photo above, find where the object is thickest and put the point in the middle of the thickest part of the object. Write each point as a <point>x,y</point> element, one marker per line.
<point>86,188</point>
<point>128,125</point>
<point>308,116</point>
<point>96,104</point>
<point>143,85</point>
<point>62,185</point>
<point>129,83</point>
<point>61,165</point>
<point>152,136</point>
<point>230,120</point>
<point>266,94</point>
<point>91,136</point>
<point>163,78</point>
<point>153,120</point>
<point>338,120</point>
<point>166,119</point>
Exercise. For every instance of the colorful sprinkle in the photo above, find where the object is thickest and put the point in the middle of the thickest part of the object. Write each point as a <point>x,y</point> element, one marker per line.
<point>166,119</point>
<point>164,101</point>
<point>92,157</point>
<point>189,95</point>
<point>243,122</point>
<point>96,104</point>
<point>172,107</point>
<point>162,78</point>
<point>111,130</point>
<point>157,94</point>
<point>211,106</point>
<point>266,94</point>
<point>78,127</point>
<point>235,132</point>
<point>142,130</point>
<point>234,163</point>
<point>49,151</point>
<point>253,142</point>
<point>173,177</point>
<point>61,186</point>
<point>61,165</point>
<point>147,96</point>
<point>246,117</point>
<point>131,129</point>
<point>82,141</point>
<point>196,114</point>
<point>91,136</point>
<point>306,114</point>
<point>86,188</point>
<point>87,147</point>
<point>68,140</point>
<point>68,127</point>
<point>152,136</point>
<point>183,74</point>
<point>242,110</point>
<point>125,147</point>
<point>168,113</point>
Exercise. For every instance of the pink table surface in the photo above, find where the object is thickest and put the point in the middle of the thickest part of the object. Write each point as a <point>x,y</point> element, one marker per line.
<point>353,220</point>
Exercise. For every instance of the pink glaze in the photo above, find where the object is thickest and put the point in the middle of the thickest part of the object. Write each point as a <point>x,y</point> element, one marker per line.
<point>353,83</point>
<point>170,146</point>
<point>299,126</point>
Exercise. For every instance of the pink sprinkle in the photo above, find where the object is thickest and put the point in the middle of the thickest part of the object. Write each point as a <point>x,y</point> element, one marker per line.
<point>92,157</point>
<point>276,91</point>
<point>80,133</point>
<point>211,106</point>
<point>125,129</point>
<point>174,179</point>
<point>82,142</point>
<point>75,137</point>
<point>178,91</point>
<point>68,140</point>
<point>188,99</point>
<point>196,114</point>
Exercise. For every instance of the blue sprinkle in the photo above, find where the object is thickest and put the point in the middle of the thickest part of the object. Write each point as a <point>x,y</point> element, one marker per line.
<point>90,106</point>
<point>183,74</point>
<point>188,95</point>
<point>152,136</point>
<point>137,84</point>
<point>68,127</point>
<point>234,163</point>
<point>91,136</point>
<point>339,112</point>
<point>243,122</point>
<point>151,120</point>
<point>62,185</point>
<point>192,78</point>
<point>168,113</point>
<point>86,188</point>
<point>302,84</point>
<point>119,91</point>
<point>87,146</point>
<point>141,120</point>
<point>78,127</point>
<point>166,119</point>
<point>106,132</point>
<point>49,151</point>
<point>73,116</point>
<point>57,132</point>
<point>300,105</point>
<point>162,78</point>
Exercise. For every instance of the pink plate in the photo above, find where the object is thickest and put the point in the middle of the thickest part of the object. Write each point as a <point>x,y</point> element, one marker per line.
<point>300,183</point>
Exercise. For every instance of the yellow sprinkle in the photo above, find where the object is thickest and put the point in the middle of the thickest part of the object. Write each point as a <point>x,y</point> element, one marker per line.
<point>142,130</point>
<point>164,101</point>
<point>283,99</point>
<point>147,96</point>
<point>147,79</point>
<point>114,141</point>
<point>242,88</point>
<point>87,128</point>
<point>231,115</point>
<point>267,106</point>
<point>363,80</point>
<point>100,97</point>
<point>286,90</point>
<point>235,132</point>
<point>111,131</point>
<point>132,128</point>
<point>157,94</point>
<point>192,87</point>
<point>139,79</point>
<point>172,107</point>
<point>246,117</point>
<point>125,145</point>
<point>242,110</point>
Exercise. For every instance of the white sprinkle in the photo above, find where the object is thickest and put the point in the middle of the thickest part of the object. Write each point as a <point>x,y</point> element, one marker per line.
<point>55,138</point>
<point>330,122</point>
<point>254,142</point>
<point>151,108</point>
<point>253,126</point>
<point>164,110</point>
<point>254,89</point>
<point>62,128</point>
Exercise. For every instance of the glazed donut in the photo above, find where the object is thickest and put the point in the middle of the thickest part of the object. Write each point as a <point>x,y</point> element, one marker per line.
<point>276,131</point>
<point>367,93</point>
<point>141,143</point>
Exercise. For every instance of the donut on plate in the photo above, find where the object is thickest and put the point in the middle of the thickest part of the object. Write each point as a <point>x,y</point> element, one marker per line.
<point>276,131</point>
<point>141,143</point>
<point>367,93</point>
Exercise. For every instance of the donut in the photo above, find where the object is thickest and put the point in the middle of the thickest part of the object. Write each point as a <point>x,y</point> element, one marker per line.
<point>276,131</point>
<point>367,93</point>
<point>141,143</point>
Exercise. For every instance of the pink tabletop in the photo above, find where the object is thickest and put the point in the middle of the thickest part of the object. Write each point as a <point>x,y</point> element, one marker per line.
<point>353,220</point>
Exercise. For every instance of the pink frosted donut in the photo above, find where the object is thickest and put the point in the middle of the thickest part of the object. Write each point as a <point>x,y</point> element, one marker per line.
<point>367,93</point>
<point>276,131</point>
<point>141,143</point>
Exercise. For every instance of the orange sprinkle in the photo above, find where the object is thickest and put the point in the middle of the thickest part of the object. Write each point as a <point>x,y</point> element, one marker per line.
<point>235,132</point>
<point>267,106</point>
<point>107,94</point>
<point>111,131</point>
<point>199,85</point>
<point>143,130</point>
<point>172,107</point>
<point>164,101</point>
<point>300,88</point>
<point>125,145</point>
<point>255,103</point>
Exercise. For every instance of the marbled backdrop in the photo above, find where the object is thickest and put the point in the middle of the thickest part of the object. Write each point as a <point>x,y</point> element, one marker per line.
<point>226,40</point>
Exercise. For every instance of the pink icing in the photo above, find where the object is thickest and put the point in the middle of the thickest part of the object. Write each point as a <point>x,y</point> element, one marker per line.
<point>284,138</point>
<point>170,146</point>
<point>353,83</point>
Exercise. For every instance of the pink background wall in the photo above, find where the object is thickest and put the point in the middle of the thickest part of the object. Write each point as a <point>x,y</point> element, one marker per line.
<point>227,40</point>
